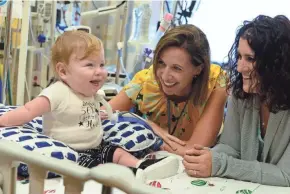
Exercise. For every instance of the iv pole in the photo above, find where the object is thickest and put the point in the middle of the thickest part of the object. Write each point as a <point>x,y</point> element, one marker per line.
<point>118,67</point>
<point>6,49</point>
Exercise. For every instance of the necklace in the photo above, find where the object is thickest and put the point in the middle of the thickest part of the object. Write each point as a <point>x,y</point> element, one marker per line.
<point>264,117</point>
<point>263,124</point>
<point>169,117</point>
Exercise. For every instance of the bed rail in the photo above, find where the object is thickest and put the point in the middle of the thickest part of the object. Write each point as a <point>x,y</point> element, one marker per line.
<point>74,176</point>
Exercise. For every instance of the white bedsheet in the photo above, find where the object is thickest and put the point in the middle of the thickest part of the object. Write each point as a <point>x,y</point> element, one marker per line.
<point>182,184</point>
<point>177,184</point>
<point>54,186</point>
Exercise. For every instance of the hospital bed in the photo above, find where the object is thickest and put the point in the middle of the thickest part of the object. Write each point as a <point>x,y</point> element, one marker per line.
<point>76,179</point>
<point>74,176</point>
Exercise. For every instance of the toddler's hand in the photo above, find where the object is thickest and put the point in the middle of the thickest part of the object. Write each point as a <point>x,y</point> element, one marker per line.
<point>103,115</point>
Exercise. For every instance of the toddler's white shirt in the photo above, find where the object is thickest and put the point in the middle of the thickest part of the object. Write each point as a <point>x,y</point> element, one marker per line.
<point>74,119</point>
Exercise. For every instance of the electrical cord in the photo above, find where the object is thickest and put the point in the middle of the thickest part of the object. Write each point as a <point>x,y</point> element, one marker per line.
<point>184,13</point>
<point>51,81</point>
<point>63,16</point>
<point>167,6</point>
<point>94,4</point>
<point>37,85</point>
<point>116,7</point>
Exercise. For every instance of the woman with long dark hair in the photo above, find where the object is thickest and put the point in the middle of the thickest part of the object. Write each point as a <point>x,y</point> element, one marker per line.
<point>254,145</point>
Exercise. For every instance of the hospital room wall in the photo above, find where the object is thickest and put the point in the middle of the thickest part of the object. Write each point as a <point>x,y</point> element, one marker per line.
<point>220,20</point>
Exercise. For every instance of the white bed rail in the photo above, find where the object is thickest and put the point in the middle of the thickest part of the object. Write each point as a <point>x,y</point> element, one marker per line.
<point>74,176</point>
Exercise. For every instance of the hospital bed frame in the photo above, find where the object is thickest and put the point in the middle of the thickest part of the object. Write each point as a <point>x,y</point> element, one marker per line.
<point>74,176</point>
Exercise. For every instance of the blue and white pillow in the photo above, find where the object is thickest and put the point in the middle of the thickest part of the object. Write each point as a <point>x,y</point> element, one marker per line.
<point>32,140</point>
<point>30,137</point>
<point>130,132</point>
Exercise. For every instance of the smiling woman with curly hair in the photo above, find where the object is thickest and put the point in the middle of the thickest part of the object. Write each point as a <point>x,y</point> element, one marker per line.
<point>254,145</point>
<point>269,40</point>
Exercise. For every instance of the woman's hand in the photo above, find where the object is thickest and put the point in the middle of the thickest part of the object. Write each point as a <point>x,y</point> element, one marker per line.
<point>198,161</point>
<point>168,139</point>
